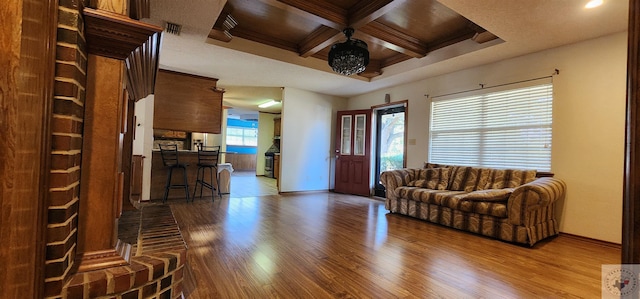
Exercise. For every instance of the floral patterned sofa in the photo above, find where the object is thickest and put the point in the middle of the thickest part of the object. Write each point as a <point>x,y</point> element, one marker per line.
<point>507,204</point>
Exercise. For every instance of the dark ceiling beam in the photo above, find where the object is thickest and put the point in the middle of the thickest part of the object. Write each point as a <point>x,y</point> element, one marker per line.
<point>374,69</point>
<point>298,11</point>
<point>395,40</point>
<point>319,39</point>
<point>335,18</point>
<point>329,14</point>
<point>367,11</point>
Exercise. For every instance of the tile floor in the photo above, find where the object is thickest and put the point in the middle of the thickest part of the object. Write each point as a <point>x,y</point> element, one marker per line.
<point>247,184</point>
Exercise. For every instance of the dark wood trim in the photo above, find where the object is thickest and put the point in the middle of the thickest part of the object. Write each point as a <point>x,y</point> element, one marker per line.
<point>462,36</point>
<point>142,68</point>
<point>215,80</point>
<point>51,23</point>
<point>127,155</point>
<point>113,35</point>
<point>102,259</point>
<point>335,16</point>
<point>592,241</point>
<point>318,40</point>
<point>394,59</point>
<point>405,103</point>
<point>406,132</point>
<point>373,69</point>
<point>544,174</point>
<point>631,195</point>
<point>398,103</point>
<point>27,48</point>
<point>366,11</point>
<point>398,41</point>
<point>139,9</point>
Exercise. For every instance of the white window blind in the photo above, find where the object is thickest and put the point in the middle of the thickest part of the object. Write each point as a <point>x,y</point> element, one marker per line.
<point>502,129</point>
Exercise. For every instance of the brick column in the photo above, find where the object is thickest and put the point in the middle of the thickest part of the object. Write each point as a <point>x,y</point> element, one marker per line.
<point>67,125</point>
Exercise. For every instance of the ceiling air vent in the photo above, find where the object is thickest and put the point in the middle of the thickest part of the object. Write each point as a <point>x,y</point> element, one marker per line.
<point>172,28</point>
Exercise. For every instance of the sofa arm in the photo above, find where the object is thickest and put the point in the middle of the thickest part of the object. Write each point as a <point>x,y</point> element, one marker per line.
<point>392,179</point>
<point>534,202</point>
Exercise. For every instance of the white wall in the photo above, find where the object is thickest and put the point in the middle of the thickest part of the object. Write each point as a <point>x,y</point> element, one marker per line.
<point>265,138</point>
<point>143,144</point>
<point>588,128</point>
<point>308,135</point>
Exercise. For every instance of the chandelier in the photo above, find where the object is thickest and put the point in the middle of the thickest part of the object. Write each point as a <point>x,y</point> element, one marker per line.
<point>350,57</point>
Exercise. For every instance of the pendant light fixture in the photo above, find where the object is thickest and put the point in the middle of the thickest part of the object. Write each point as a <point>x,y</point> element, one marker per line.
<point>350,57</point>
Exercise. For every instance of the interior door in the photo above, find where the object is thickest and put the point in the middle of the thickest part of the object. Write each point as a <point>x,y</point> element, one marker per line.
<point>353,152</point>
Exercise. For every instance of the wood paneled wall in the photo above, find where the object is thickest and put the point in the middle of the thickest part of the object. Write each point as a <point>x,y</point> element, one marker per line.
<point>241,161</point>
<point>186,102</point>
<point>26,87</point>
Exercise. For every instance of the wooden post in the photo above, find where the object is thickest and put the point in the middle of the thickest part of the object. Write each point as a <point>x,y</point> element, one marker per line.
<point>631,204</point>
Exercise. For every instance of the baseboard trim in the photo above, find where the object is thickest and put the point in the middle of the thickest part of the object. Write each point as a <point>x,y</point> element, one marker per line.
<point>592,240</point>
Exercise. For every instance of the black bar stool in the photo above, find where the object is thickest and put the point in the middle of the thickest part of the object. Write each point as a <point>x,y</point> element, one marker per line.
<point>208,157</point>
<point>170,159</point>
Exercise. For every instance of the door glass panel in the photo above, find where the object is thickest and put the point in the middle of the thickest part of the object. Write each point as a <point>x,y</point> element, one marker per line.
<point>345,139</point>
<point>390,126</point>
<point>392,141</point>
<point>361,122</point>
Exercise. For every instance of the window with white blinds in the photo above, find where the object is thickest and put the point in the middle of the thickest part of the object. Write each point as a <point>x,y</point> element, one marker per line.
<point>502,129</point>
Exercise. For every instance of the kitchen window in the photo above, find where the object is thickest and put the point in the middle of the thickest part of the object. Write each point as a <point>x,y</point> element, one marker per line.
<point>242,136</point>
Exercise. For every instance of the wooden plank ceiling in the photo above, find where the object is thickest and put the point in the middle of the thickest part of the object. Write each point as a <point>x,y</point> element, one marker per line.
<point>393,30</point>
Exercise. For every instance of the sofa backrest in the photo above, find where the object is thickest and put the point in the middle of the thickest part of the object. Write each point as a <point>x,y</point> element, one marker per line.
<point>468,178</point>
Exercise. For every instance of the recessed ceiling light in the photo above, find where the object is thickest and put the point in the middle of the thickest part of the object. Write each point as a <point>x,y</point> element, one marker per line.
<point>268,104</point>
<point>593,3</point>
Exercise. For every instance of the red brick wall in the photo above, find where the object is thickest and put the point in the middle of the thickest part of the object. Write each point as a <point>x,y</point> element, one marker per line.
<point>66,145</point>
<point>157,275</point>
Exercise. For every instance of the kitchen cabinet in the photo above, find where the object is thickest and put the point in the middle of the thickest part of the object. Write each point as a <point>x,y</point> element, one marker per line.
<point>276,127</point>
<point>189,103</point>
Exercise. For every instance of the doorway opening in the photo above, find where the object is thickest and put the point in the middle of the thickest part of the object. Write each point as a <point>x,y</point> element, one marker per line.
<point>390,149</point>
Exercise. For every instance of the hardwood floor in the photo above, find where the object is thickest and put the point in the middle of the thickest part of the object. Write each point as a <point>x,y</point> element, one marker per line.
<point>326,245</point>
<point>243,184</point>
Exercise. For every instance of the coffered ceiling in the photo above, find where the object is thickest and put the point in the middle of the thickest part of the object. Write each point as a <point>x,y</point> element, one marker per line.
<point>395,31</point>
<point>284,43</point>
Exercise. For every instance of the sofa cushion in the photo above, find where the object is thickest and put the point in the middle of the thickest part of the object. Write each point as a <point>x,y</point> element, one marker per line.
<point>432,178</point>
<point>425,195</point>
<point>454,200</point>
<point>435,165</point>
<point>458,202</point>
<point>466,178</point>
<point>509,178</point>
<point>489,195</point>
